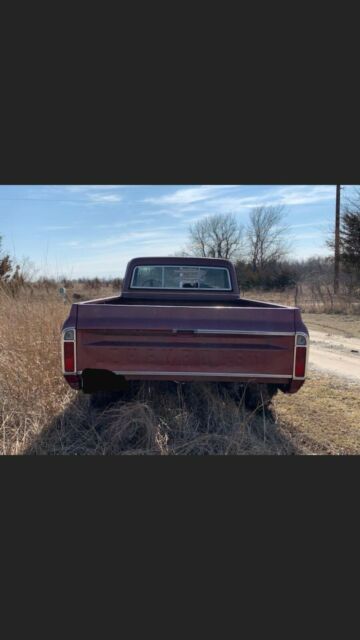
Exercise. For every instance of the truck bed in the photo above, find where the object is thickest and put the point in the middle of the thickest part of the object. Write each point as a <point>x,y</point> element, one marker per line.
<point>184,339</point>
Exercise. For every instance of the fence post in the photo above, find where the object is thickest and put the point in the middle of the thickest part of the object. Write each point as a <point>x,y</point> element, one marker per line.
<point>296,295</point>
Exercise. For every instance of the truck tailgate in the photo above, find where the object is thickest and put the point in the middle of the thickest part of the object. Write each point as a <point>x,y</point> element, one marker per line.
<point>184,342</point>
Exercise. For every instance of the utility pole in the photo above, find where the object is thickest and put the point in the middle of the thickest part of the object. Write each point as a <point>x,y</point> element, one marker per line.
<point>337,240</point>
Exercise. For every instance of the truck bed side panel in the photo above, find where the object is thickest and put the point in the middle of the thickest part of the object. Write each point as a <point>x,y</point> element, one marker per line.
<point>170,341</point>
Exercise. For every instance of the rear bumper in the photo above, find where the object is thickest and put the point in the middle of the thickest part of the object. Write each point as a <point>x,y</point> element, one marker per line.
<point>74,380</point>
<point>294,386</point>
<point>201,376</point>
<point>103,380</point>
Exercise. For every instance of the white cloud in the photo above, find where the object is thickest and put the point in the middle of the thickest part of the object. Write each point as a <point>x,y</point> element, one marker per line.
<point>125,238</point>
<point>90,187</point>
<point>119,225</point>
<point>138,237</point>
<point>306,194</point>
<point>114,225</point>
<point>75,194</point>
<point>151,218</point>
<point>71,243</point>
<point>285,196</point>
<point>308,235</point>
<point>189,195</point>
<point>99,198</point>
<point>309,224</point>
<point>216,200</point>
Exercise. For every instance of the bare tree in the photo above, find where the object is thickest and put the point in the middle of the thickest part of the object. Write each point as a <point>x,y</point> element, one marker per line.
<point>217,236</point>
<point>266,236</point>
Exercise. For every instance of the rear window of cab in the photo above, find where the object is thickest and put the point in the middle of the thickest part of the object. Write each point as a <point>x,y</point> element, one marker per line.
<point>180,277</point>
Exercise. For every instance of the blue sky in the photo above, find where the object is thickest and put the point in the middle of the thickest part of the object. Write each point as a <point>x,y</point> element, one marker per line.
<point>94,230</point>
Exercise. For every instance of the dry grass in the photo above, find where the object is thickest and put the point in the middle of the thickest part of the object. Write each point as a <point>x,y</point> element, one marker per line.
<point>188,420</point>
<point>40,414</point>
<point>31,388</point>
<point>323,417</point>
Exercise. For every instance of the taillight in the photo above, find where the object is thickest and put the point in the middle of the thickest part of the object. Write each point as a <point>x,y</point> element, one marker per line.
<point>300,362</point>
<point>301,345</point>
<point>69,351</point>
<point>69,356</point>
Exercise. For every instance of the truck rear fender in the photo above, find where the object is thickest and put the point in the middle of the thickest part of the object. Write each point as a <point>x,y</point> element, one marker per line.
<point>69,349</point>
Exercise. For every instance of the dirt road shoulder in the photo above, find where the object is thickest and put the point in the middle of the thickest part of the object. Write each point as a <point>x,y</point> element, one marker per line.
<point>335,344</point>
<point>346,325</point>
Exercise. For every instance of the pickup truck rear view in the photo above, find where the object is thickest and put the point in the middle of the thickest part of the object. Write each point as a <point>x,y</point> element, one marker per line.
<point>183,319</point>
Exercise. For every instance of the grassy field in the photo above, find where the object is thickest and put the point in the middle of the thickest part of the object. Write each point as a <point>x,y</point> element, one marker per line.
<point>323,417</point>
<point>40,414</point>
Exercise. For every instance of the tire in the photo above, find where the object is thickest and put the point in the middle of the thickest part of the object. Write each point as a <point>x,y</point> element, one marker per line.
<point>259,396</point>
<point>233,390</point>
<point>104,399</point>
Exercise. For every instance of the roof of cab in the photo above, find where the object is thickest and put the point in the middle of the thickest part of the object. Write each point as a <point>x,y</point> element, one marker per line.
<point>178,260</point>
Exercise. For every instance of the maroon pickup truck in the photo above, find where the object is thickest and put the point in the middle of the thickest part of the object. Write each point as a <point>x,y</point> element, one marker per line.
<point>183,319</point>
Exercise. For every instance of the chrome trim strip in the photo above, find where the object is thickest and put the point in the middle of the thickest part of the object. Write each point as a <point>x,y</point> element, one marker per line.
<point>95,300</point>
<point>240,332</point>
<point>173,306</point>
<point>62,351</point>
<point>301,346</point>
<point>200,373</point>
